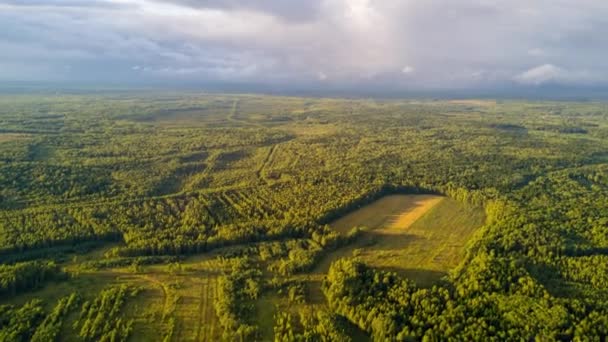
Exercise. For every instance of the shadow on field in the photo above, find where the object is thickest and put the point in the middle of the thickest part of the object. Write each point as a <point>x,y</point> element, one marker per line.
<point>422,277</point>
<point>381,240</point>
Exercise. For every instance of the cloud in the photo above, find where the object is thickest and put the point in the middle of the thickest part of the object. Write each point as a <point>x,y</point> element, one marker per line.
<point>357,43</point>
<point>65,3</point>
<point>407,69</point>
<point>541,74</point>
<point>551,74</point>
<point>289,10</point>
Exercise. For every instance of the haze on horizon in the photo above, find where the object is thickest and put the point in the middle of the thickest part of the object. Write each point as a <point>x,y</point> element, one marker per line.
<point>365,44</point>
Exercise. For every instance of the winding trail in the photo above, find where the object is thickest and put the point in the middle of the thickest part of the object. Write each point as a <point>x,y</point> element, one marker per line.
<point>163,287</point>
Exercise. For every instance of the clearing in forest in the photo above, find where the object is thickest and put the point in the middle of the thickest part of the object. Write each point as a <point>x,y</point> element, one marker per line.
<point>419,236</point>
<point>397,211</point>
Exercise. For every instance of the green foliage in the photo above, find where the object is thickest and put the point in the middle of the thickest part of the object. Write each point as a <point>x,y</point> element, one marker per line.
<point>19,324</point>
<point>233,302</point>
<point>309,326</point>
<point>50,327</point>
<point>100,319</point>
<point>165,175</point>
<point>27,276</point>
<point>480,308</point>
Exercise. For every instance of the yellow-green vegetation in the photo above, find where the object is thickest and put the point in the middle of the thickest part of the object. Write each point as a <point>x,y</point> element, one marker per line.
<point>174,300</point>
<point>419,236</point>
<point>6,137</point>
<point>393,212</point>
<point>197,217</point>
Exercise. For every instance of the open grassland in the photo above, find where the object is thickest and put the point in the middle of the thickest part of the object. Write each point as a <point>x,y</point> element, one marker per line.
<point>419,236</point>
<point>183,300</point>
<point>397,211</point>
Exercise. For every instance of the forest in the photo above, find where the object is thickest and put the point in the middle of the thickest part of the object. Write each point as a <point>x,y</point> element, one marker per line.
<point>183,216</point>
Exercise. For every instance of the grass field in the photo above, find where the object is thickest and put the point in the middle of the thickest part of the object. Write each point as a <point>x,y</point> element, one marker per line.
<point>398,211</point>
<point>419,236</point>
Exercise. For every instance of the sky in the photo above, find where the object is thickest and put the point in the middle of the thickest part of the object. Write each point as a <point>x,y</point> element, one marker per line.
<point>365,44</point>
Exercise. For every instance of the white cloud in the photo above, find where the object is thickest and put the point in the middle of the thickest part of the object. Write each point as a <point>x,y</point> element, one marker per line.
<point>407,69</point>
<point>540,74</point>
<point>549,73</point>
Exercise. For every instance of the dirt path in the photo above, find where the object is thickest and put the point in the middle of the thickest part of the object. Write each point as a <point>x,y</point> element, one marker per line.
<point>163,287</point>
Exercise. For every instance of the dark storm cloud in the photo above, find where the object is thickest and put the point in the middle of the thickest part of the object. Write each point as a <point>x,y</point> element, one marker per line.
<point>402,44</point>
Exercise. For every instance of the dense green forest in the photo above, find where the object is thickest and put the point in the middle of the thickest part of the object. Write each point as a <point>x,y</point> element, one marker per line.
<point>146,198</point>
